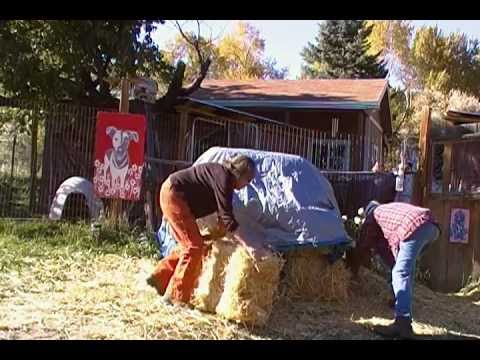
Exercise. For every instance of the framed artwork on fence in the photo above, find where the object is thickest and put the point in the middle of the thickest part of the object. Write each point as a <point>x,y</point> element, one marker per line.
<point>119,155</point>
<point>459,225</point>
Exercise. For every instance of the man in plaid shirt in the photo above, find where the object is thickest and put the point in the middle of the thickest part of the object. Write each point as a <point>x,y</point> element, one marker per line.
<point>398,232</point>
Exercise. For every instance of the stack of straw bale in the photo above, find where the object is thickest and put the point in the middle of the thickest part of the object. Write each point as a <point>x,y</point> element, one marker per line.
<point>235,286</point>
<point>239,288</point>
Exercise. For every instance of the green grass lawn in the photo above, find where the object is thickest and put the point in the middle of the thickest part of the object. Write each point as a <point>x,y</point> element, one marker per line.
<point>46,240</point>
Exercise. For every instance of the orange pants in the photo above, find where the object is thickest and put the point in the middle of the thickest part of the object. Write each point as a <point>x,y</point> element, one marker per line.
<point>183,266</point>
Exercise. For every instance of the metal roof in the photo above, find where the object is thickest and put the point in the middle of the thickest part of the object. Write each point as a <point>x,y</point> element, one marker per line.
<point>316,93</point>
<point>462,117</point>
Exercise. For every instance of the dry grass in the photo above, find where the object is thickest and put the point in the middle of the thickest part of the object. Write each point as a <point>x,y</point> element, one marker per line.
<point>106,298</point>
<point>101,298</point>
<point>83,294</point>
<point>436,315</point>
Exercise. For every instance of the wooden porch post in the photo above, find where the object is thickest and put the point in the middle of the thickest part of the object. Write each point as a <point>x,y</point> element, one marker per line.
<point>182,133</point>
<point>117,204</point>
<point>421,184</point>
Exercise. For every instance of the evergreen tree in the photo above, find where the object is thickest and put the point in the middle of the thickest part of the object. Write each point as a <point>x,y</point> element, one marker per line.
<point>341,51</point>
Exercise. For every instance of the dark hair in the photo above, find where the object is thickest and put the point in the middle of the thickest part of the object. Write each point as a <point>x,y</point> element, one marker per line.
<point>241,166</point>
<point>371,206</point>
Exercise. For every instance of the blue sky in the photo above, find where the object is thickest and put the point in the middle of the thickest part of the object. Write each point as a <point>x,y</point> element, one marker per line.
<point>285,39</point>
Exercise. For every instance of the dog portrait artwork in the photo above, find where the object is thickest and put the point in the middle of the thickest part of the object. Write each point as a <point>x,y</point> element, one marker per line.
<point>116,158</point>
<point>119,155</point>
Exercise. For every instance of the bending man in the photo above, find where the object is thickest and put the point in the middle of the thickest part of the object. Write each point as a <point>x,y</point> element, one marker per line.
<point>398,232</point>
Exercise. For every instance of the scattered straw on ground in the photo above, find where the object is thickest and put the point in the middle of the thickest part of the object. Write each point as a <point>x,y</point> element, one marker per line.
<point>106,297</point>
<point>101,298</point>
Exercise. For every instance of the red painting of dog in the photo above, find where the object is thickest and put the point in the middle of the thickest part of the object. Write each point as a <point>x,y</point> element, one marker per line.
<point>119,155</point>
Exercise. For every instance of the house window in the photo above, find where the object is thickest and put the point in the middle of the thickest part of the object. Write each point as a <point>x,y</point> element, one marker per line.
<point>331,154</point>
<point>462,174</point>
<point>437,168</point>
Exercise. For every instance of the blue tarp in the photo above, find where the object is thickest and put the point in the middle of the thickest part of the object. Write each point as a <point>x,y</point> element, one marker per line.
<point>288,204</point>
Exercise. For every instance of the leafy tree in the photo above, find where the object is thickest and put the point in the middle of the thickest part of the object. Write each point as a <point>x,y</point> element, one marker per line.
<point>444,63</point>
<point>401,112</point>
<point>391,39</point>
<point>239,55</point>
<point>81,61</point>
<point>460,101</point>
<point>84,61</point>
<point>428,59</point>
<point>341,51</point>
<point>434,70</point>
<point>180,49</point>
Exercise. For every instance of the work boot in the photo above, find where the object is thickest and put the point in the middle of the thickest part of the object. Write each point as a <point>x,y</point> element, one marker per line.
<point>165,299</point>
<point>401,328</point>
<point>151,281</point>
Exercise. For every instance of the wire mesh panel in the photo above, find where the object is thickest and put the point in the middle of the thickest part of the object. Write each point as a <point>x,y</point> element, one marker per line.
<point>42,145</point>
<point>206,134</point>
<point>21,148</point>
<point>70,141</point>
<point>341,152</point>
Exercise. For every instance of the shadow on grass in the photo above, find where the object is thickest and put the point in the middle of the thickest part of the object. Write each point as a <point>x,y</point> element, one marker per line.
<point>447,336</point>
<point>436,316</point>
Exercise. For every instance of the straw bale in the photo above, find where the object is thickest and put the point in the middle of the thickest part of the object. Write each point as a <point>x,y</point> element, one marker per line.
<point>309,276</point>
<point>250,287</point>
<point>211,281</point>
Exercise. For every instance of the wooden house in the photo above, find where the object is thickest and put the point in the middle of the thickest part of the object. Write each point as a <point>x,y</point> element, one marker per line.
<point>345,121</point>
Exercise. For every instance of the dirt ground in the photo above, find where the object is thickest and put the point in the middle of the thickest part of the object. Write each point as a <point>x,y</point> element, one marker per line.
<point>106,297</point>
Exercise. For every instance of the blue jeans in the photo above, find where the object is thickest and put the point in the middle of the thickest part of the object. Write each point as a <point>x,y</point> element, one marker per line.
<point>403,272</point>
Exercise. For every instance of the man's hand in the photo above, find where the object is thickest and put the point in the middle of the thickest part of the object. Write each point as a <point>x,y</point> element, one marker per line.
<point>255,250</point>
<point>352,262</point>
<point>355,259</point>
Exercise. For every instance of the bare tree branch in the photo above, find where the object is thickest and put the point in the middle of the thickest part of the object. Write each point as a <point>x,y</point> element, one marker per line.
<point>204,63</point>
<point>175,88</point>
<point>198,29</point>
<point>197,82</point>
<point>195,43</point>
